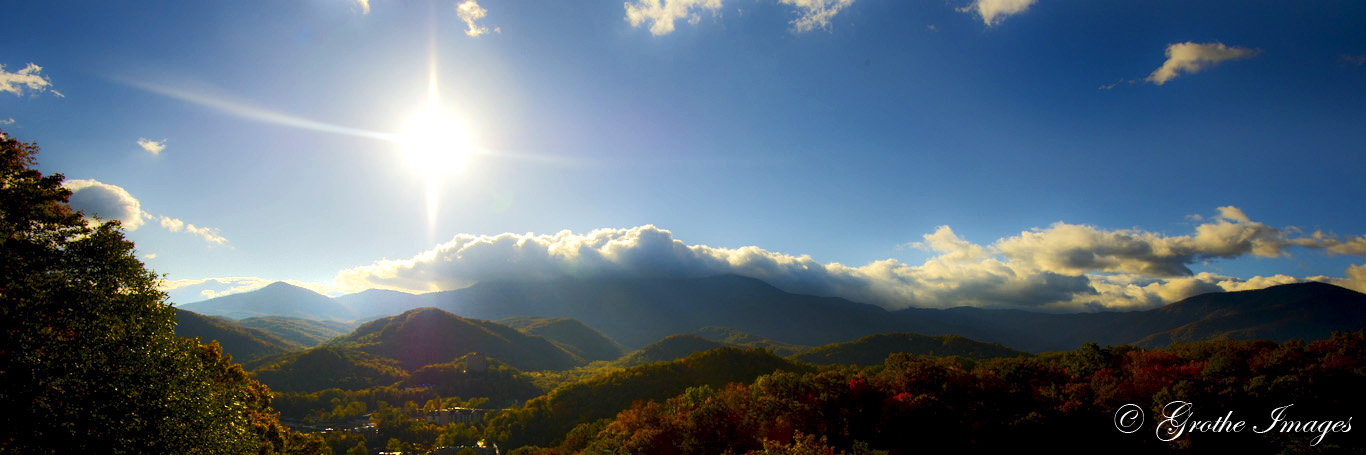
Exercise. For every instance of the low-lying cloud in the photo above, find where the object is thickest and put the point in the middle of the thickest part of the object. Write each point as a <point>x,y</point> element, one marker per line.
<point>1062,267</point>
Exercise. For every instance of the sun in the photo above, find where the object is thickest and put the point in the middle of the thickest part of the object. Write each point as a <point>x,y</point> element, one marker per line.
<point>434,143</point>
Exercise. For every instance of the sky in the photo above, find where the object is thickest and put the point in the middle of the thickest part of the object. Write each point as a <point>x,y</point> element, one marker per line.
<point>1053,155</point>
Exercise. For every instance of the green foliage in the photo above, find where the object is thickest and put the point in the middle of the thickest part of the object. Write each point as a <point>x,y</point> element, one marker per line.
<point>873,349</point>
<point>546,419</point>
<point>326,367</point>
<point>88,352</point>
<point>499,383</point>
<point>918,404</point>
<point>739,338</point>
<point>303,332</point>
<point>670,348</point>
<point>570,334</point>
<point>427,336</point>
<point>244,343</point>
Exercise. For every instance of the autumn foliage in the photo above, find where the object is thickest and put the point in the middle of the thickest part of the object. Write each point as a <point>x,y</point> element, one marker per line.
<point>1063,402</point>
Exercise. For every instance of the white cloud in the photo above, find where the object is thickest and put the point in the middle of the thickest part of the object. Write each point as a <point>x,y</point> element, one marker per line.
<point>28,78</point>
<point>364,6</point>
<point>208,234</point>
<point>1355,60</point>
<point>1355,280</point>
<point>1076,249</point>
<point>149,256</point>
<point>993,12</point>
<point>471,13</point>
<point>151,146</point>
<point>1191,58</point>
<point>108,202</point>
<point>661,14</point>
<point>112,202</point>
<point>1064,267</point>
<point>8,121</point>
<point>814,14</point>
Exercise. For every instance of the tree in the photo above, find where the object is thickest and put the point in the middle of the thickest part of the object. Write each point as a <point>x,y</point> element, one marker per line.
<point>88,353</point>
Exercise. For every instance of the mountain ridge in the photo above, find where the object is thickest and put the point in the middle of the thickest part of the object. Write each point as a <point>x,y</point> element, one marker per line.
<point>639,311</point>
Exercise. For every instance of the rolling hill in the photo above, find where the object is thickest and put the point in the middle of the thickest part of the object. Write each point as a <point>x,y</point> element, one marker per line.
<point>427,336</point>
<point>325,367</point>
<point>494,380</point>
<point>639,311</point>
<point>874,349</point>
<point>546,418</point>
<point>740,338</point>
<point>245,344</point>
<point>1309,311</point>
<point>304,332</point>
<point>570,334</point>
<point>670,348</point>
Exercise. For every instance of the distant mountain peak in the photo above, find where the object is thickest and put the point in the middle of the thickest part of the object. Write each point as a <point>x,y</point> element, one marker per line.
<point>280,286</point>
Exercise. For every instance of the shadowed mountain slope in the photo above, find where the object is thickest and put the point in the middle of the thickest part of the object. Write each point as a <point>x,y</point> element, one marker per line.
<point>428,336</point>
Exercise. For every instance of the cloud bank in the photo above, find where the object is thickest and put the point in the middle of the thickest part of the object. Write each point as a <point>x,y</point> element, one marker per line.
<point>1064,267</point>
<point>993,12</point>
<point>1191,58</point>
<point>100,200</point>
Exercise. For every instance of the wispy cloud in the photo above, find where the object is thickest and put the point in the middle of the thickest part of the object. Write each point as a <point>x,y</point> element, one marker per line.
<point>814,14</point>
<point>993,12</point>
<point>1355,60</point>
<point>1191,58</point>
<point>661,14</point>
<point>151,146</point>
<point>209,235</point>
<point>364,6</point>
<point>27,78</point>
<point>111,202</point>
<point>1063,267</point>
<point>471,13</point>
<point>8,121</point>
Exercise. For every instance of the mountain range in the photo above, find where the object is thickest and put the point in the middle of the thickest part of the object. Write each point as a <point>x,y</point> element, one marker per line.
<point>640,311</point>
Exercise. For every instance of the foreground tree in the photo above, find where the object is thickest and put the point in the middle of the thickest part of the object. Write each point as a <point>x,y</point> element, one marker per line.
<point>88,353</point>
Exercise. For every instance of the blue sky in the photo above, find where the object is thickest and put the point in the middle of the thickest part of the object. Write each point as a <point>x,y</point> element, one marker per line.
<point>819,145</point>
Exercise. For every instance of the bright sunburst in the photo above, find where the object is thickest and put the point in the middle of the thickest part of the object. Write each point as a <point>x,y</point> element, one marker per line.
<point>434,143</point>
